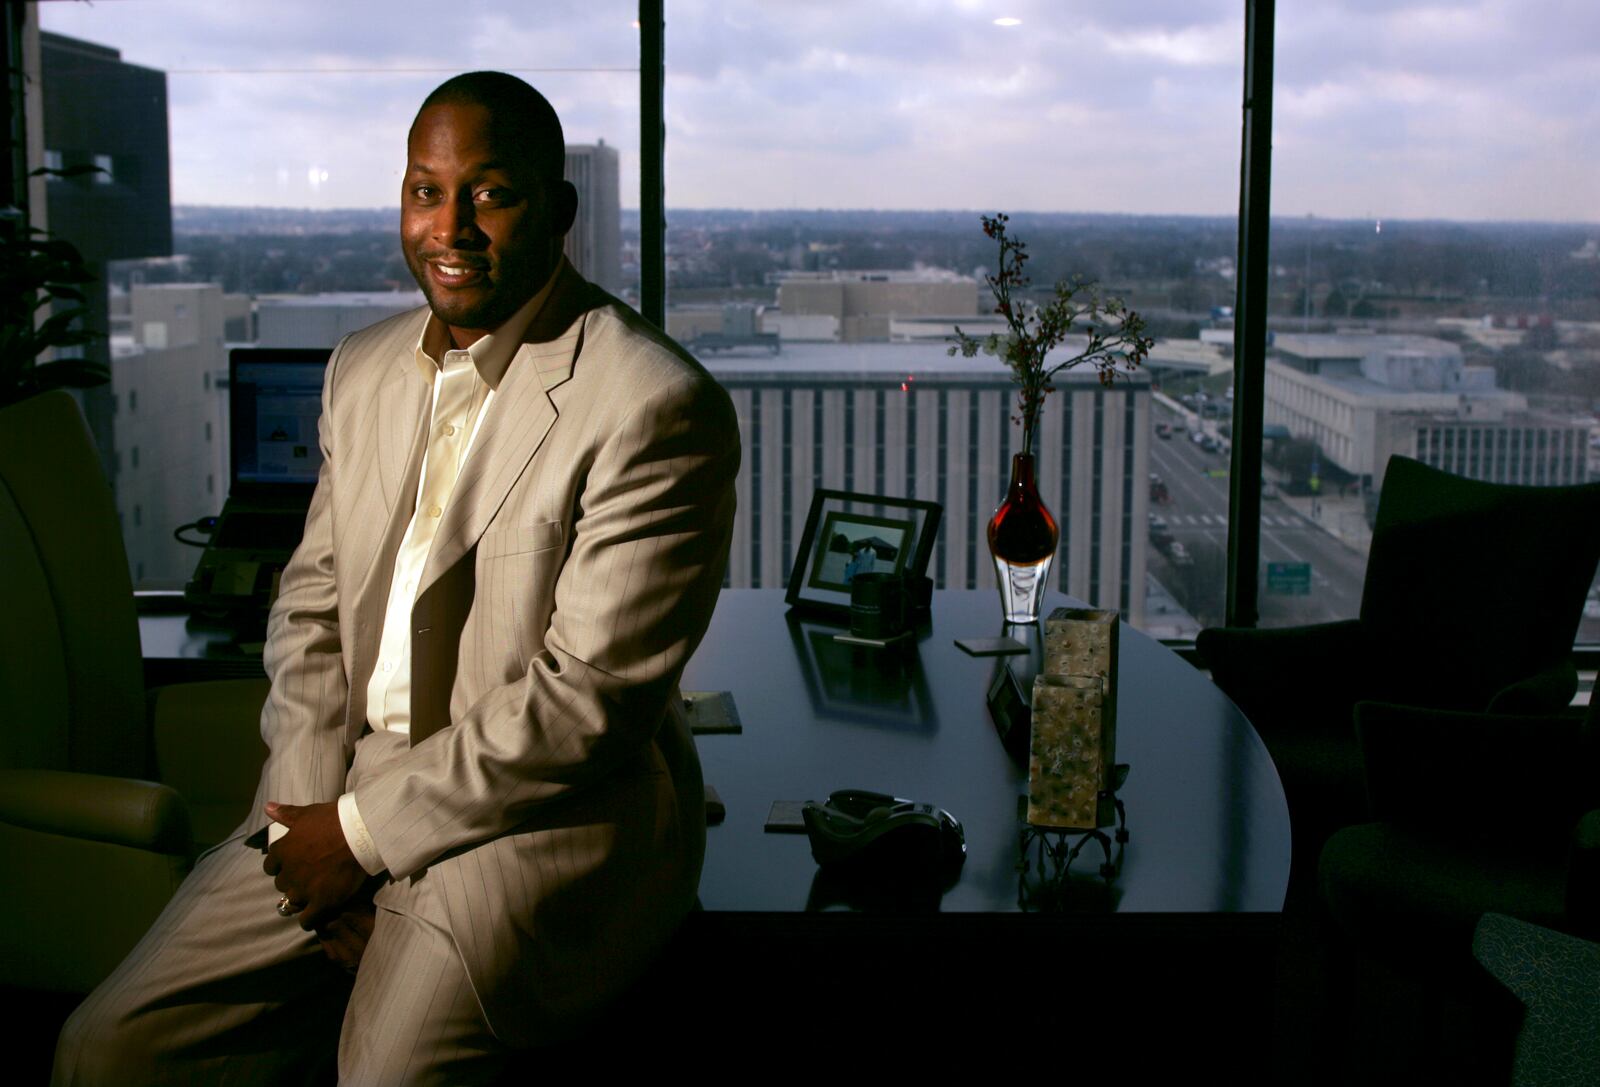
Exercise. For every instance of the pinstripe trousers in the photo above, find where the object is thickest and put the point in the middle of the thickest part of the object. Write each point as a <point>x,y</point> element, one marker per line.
<point>222,990</point>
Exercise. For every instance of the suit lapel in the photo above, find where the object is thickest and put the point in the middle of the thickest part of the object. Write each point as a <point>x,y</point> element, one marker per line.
<point>519,417</point>
<point>402,404</point>
<point>517,421</point>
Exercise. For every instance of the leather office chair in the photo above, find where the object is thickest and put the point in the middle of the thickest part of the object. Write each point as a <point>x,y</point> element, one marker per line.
<point>93,848</point>
<point>1471,601</point>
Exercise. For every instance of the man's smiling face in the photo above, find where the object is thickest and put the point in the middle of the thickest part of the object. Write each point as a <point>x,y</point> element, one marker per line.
<point>480,229</point>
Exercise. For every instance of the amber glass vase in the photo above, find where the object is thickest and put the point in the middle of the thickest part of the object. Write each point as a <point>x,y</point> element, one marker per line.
<point>1022,538</point>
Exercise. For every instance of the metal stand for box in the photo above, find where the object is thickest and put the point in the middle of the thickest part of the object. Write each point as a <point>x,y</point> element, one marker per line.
<point>1054,849</point>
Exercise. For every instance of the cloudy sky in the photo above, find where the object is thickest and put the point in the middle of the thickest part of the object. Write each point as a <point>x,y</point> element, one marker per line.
<point>1460,109</point>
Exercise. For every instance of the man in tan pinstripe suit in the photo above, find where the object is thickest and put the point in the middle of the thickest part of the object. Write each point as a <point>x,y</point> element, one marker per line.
<point>491,801</point>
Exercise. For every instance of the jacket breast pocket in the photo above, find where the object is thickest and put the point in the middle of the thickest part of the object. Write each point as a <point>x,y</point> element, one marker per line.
<point>519,539</point>
<point>517,569</point>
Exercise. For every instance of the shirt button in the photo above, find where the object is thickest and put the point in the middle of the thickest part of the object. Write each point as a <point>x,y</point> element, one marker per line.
<point>449,430</point>
<point>388,666</point>
<point>434,511</point>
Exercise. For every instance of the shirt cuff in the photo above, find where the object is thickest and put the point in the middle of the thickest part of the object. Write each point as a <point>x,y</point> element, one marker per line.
<point>355,833</point>
<point>275,830</point>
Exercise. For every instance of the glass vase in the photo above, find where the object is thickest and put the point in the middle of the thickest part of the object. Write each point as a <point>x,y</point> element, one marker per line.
<point>1022,538</point>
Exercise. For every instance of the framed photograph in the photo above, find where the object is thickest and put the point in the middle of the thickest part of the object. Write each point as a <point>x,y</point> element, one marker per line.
<point>848,534</point>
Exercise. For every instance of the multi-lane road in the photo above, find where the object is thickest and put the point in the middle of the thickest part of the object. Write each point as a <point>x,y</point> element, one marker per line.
<point>1196,514</point>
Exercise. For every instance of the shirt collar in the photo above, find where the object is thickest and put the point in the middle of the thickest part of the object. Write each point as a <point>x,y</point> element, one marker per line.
<point>492,353</point>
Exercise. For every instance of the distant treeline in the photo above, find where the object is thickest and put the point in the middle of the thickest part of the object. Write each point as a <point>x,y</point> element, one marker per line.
<point>1184,261</point>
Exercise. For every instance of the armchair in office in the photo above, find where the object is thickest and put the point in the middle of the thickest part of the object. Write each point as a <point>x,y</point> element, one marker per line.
<point>1556,978</point>
<point>1471,601</point>
<point>1474,813</point>
<point>80,821</point>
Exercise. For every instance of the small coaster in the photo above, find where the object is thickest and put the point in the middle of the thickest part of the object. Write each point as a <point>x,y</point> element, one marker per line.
<point>872,643</point>
<point>990,647</point>
<point>712,713</point>
<point>786,817</point>
<point>716,810</point>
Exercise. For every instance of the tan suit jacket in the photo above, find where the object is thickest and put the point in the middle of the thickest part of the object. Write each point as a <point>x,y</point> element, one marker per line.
<point>549,811</point>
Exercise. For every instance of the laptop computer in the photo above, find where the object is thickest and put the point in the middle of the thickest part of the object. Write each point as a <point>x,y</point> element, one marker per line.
<point>274,401</point>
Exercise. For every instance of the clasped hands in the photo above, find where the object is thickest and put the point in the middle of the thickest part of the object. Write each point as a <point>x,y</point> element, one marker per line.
<point>329,890</point>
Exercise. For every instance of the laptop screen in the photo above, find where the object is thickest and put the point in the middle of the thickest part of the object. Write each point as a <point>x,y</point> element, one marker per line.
<point>274,400</point>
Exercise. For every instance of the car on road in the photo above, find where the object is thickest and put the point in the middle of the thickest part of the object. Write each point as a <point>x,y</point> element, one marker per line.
<point>1164,430</point>
<point>1179,555</point>
<point>1269,491</point>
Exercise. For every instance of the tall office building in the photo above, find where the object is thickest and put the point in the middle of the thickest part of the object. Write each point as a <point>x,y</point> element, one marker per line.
<point>171,424</point>
<point>594,244</point>
<point>908,421</point>
<point>102,112</point>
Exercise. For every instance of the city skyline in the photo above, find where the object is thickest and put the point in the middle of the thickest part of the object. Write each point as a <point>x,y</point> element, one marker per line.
<point>1466,111</point>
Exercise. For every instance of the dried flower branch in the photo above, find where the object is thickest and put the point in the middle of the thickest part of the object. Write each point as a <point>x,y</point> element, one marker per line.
<point>1115,334</point>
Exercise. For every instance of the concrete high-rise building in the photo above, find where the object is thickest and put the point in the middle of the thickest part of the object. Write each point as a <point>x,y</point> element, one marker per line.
<point>322,320</point>
<point>594,244</point>
<point>168,381</point>
<point>102,112</point>
<point>908,421</point>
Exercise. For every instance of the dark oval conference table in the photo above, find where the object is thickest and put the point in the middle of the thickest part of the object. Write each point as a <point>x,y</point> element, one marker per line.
<point>1208,826</point>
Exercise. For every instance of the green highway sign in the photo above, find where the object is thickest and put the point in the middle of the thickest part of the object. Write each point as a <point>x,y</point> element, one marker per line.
<point>1289,578</point>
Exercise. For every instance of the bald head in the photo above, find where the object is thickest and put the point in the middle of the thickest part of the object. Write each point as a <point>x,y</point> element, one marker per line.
<point>523,118</point>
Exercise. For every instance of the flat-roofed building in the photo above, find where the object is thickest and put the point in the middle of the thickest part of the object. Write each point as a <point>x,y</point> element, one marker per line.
<point>322,320</point>
<point>857,306</point>
<point>1363,397</point>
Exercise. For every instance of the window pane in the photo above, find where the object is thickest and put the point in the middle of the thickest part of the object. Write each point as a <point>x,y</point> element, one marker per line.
<point>285,125</point>
<point>827,165</point>
<point>1436,269</point>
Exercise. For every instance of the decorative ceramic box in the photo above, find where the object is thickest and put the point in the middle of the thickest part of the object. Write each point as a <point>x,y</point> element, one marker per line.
<point>1074,738</point>
<point>1066,770</point>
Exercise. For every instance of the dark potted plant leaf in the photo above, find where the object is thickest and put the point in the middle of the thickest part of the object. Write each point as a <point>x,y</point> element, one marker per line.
<point>38,269</point>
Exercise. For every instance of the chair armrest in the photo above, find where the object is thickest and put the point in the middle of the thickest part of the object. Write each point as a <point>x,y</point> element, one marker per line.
<point>1475,774</point>
<point>119,811</point>
<point>1547,692</point>
<point>208,747</point>
<point>1583,877</point>
<point>1280,673</point>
